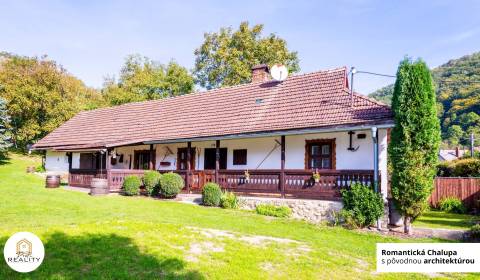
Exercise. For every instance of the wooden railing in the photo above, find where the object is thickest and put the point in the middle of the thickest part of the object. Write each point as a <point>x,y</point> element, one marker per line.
<point>297,183</point>
<point>83,177</point>
<point>116,176</point>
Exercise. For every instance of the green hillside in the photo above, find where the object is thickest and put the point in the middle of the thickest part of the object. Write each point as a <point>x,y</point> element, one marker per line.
<point>457,83</point>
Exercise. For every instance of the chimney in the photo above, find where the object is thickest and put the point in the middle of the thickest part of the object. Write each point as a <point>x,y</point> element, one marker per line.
<point>260,73</point>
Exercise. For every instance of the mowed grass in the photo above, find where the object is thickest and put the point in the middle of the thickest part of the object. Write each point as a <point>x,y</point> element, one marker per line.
<point>440,219</point>
<point>117,237</point>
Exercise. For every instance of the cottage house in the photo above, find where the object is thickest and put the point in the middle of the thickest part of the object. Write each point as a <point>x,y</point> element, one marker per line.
<point>280,131</point>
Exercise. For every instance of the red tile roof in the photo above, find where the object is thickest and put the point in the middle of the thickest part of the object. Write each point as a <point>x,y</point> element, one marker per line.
<point>314,100</point>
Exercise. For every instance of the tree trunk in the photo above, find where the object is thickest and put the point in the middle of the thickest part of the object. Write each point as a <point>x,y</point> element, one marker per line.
<point>407,225</point>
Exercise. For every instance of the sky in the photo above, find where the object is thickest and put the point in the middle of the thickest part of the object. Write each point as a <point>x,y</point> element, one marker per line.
<point>92,38</point>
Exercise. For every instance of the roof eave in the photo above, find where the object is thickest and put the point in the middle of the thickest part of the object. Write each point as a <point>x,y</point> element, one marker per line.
<point>337,128</point>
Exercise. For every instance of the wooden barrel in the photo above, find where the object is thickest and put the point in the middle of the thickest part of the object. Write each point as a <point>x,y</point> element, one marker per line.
<point>99,186</point>
<point>52,181</point>
<point>30,169</point>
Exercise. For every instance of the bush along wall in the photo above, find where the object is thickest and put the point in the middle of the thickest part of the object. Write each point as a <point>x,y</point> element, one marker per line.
<point>362,206</point>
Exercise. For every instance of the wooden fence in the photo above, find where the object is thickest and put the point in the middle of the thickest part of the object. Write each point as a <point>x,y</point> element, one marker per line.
<point>466,189</point>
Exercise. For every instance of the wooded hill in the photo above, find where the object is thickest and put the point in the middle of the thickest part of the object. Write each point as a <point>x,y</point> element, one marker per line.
<point>457,84</point>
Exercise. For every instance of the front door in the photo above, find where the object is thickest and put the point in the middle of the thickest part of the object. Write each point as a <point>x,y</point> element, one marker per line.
<point>182,159</point>
<point>209,162</point>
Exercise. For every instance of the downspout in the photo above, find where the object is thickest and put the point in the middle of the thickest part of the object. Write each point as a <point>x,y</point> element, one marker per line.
<point>375,166</point>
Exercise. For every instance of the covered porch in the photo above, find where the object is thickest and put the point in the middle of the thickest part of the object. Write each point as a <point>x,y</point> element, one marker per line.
<point>277,166</point>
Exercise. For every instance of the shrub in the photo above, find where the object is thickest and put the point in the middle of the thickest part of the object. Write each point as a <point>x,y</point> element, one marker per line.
<point>444,169</point>
<point>348,218</point>
<point>364,204</point>
<point>465,167</point>
<point>131,185</point>
<point>229,200</point>
<point>452,205</point>
<point>272,210</point>
<point>475,231</point>
<point>211,194</point>
<point>469,167</point>
<point>171,184</point>
<point>151,181</point>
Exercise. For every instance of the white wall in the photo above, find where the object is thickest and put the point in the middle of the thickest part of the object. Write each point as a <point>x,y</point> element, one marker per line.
<point>258,150</point>
<point>56,162</point>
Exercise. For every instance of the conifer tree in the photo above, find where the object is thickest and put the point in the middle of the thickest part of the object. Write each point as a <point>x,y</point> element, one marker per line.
<point>413,151</point>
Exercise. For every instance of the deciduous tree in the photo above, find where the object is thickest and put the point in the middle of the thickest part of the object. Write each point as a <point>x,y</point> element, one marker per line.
<point>225,58</point>
<point>144,79</point>
<point>5,141</point>
<point>413,150</point>
<point>40,95</point>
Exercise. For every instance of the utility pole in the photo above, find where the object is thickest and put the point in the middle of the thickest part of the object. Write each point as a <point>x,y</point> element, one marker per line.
<point>472,140</point>
<point>353,70</point>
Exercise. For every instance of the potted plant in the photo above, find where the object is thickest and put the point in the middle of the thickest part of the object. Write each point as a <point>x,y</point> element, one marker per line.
<point>247,176</point>
<point>316,176</point>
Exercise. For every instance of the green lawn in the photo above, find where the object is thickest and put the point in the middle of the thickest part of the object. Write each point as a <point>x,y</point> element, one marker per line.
<point>119,237</point>
<point>440,219</point>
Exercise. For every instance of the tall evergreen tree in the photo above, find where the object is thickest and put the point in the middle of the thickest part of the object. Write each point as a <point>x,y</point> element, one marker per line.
<point>413,151</point>
<point>5,142</point>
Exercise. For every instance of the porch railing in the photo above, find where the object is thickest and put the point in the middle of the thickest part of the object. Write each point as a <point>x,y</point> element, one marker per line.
<point>83,177</point>
<point>297,183</point>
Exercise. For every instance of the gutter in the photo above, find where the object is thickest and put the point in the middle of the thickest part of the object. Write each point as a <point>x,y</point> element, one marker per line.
<point>274,133</point>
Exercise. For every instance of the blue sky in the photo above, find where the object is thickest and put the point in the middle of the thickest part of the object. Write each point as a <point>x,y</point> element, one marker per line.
<point>91,38</point>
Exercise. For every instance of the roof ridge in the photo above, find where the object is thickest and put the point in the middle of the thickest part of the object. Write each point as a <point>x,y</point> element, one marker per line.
<point>359,95</point>
<point>195,93</point>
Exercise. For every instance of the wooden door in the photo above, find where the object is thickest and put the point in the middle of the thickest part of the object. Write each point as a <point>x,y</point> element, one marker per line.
<point>210,154</point>
<point>182,159</point>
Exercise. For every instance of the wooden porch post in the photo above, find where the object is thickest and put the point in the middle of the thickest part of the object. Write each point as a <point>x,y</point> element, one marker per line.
<point>189,156</point>
<point>108,158</point>
<point>217,159</point>
<point>282,166</point>
<point>151,156</point>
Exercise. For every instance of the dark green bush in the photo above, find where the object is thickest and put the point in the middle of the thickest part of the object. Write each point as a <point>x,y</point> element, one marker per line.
<point>229,200</point>
<point>452,205</point>
<point>171,184</point>
<point>151,181</point>
<point>364,204</point>
<point>444,169</point>
<point>465,167</point>
<point>131,185</point>
<point>272,210</point>
<point>211,194</point>
<point>469,167</point>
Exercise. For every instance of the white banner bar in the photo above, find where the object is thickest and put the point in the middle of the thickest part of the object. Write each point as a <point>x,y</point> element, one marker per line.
<point>428,257</point>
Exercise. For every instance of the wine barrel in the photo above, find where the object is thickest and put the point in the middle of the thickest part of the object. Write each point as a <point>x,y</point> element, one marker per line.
<point>52,181</point>
<point>99,186</point>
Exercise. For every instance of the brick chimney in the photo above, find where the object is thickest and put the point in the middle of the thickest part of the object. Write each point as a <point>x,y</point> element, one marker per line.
<point>260,73</point>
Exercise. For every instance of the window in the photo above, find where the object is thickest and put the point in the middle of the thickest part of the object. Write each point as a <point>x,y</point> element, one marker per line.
<point>142,159</point>
<point>240,157</point>
<point>320,154</point>
<point>92,161</point>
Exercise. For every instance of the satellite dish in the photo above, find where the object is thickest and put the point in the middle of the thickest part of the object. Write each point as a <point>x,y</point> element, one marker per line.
<point>279,72</point>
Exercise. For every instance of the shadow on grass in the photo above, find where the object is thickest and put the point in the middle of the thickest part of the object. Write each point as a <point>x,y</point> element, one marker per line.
<point>100,257</point>
<point>4,160</point>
